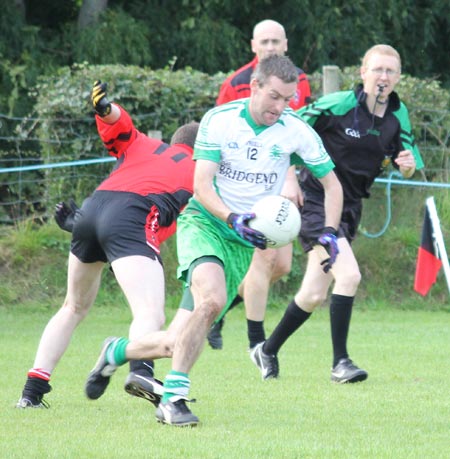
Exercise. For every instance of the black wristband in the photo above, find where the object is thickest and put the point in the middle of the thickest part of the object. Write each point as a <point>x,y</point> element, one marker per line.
<point>230,219</point>
<point>329,229</point>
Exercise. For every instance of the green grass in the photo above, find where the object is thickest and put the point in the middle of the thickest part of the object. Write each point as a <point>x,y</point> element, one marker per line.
<point>401,411</point>
<point>33,262</point>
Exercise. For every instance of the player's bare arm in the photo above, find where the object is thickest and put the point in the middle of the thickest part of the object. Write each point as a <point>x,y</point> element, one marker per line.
<point>334,199</point>
<point>204,190</point>
<point>291,189</point>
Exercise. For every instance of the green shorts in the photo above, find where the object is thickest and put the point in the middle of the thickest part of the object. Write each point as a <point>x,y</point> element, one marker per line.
<point>197,238</point>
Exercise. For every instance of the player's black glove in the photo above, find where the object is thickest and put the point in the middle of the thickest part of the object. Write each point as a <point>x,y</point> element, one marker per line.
<point>100,102</point>
<point>239,222</point>
<point>66,216</point>
<point>328,241</point>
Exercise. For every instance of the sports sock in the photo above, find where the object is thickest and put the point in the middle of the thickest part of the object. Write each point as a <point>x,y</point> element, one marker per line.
<point>176,384</point>
<point>340,315</point>
<point>115,354</point>
<point>39,373</point>
<point>35,386</point>
<point>144,367</point>
<point>255,331</point>
<point>293,318</point>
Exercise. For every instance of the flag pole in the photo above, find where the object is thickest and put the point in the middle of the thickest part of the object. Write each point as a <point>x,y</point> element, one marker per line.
<point>438,238</point>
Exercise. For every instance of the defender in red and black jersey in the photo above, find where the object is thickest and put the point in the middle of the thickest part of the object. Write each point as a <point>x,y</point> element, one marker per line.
<point>150,184</point>
<point>123,223</point>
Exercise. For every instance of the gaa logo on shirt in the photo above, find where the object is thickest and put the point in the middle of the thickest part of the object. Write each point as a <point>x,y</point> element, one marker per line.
<point>352,133</point>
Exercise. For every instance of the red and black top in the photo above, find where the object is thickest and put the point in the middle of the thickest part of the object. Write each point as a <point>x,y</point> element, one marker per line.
<point>148,167</point>
<point>237,86</point>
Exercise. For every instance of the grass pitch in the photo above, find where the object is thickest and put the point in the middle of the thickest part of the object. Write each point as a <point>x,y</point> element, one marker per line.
<point>401,411</point>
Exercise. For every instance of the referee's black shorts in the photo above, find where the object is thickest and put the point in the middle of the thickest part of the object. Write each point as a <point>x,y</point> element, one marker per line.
<point>116,224</point>
<point>313,219</point>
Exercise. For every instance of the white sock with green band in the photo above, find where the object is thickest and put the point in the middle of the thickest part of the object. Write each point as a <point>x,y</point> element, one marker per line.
<point>115,354</point>
<point>176,384</point>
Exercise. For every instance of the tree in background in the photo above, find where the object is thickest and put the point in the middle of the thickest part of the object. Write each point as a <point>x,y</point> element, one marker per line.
<point>210,35</point>
<point>89,12</point>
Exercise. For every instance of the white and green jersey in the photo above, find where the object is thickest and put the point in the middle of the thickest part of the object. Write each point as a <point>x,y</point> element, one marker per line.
<point>253,160</point>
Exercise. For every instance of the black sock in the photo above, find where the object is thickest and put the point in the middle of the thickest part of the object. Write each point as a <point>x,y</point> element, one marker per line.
<point>340,315</point>
<point>142,366</point>
<point>255,331</point>
<point>35,388</point>
<point>293,318</point>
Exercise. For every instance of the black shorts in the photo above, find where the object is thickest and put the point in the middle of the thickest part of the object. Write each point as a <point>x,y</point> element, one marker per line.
<point>313,219</point>
<point>115,224</point>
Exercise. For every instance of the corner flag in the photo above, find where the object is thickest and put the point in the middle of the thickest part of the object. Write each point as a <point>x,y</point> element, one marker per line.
<point>428,262</point>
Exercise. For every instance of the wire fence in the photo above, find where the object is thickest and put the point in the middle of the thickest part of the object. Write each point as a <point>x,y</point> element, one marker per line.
<point>30,184</point>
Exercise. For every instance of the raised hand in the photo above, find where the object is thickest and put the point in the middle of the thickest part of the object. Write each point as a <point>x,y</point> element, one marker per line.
<point>100,102</point>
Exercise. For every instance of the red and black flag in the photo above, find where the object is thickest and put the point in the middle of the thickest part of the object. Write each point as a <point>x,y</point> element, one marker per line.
<point>428,264</point>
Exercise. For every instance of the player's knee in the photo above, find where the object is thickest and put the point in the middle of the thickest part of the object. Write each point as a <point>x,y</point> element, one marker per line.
<point>264,261</point>
<point>282,268</point>
<point>309,301</point>
<point>317,299</point>
<point>355,278</point>
<point>348,282</point>
<point>282,263</point>
<point>210,309</point>
<point>76,308</point>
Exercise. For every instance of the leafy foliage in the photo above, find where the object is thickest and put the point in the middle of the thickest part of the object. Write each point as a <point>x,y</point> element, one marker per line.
<point>62,120</point>
<point>213,36</point>
<point>33,261</point>
<point>110,41</point>
<point>158,100</point>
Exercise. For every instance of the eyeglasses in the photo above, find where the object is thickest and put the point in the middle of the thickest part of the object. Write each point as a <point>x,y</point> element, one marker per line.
<point>380,71</point>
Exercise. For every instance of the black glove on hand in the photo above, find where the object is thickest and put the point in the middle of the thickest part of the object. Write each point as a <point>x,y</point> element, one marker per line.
<point>328,241</point>
<point>239,222</point>
<point>101,104</point>
<point>66,216</point>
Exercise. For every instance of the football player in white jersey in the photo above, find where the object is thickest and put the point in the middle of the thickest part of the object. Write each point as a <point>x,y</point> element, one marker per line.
<point>243,151</point>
